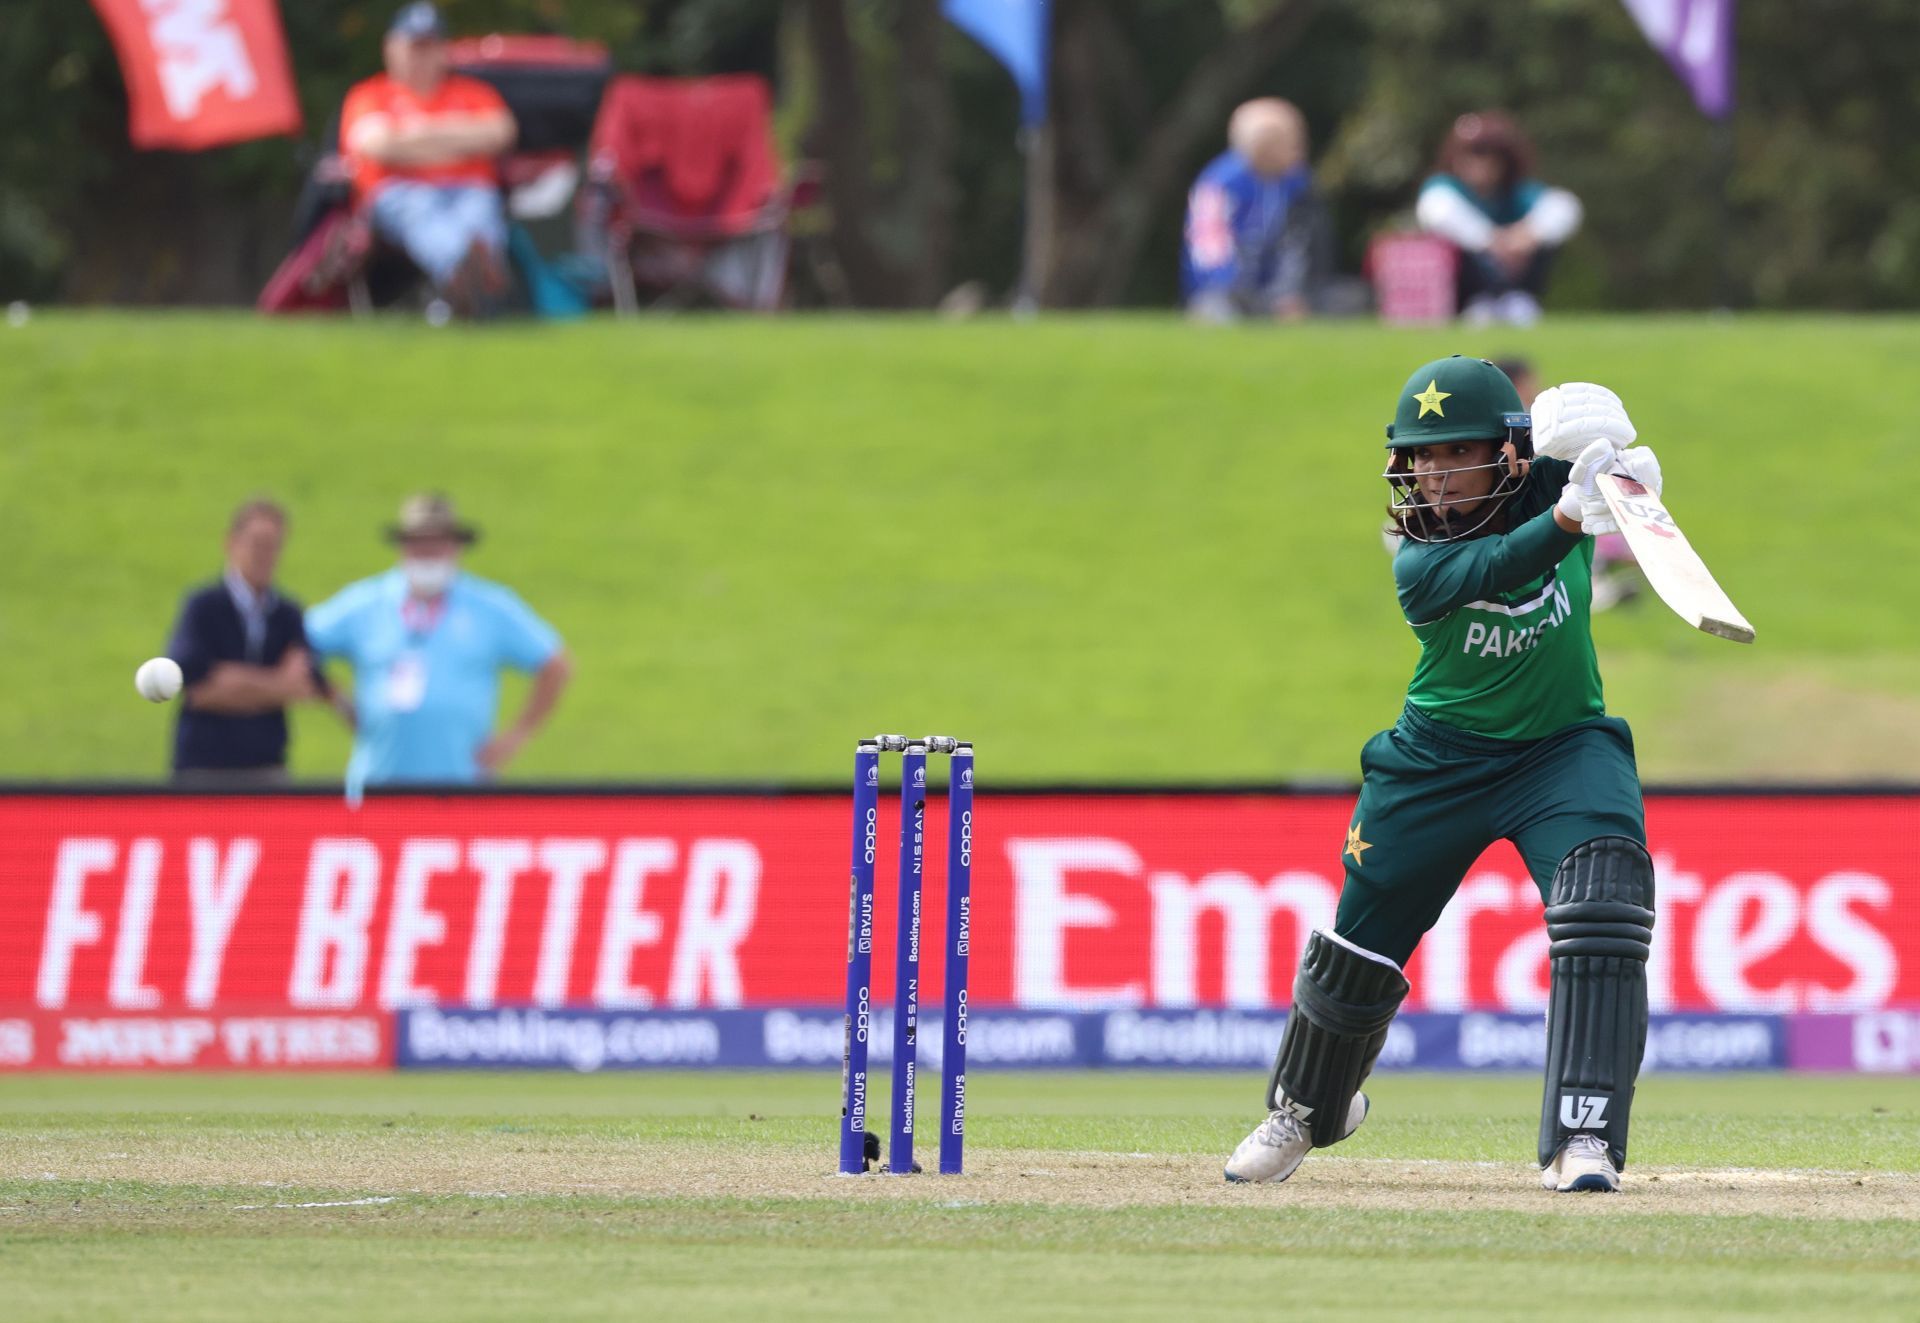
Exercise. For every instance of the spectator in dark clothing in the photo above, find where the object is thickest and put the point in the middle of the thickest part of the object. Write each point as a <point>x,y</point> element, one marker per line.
<point>1482,197</point>
<point>242,647</point>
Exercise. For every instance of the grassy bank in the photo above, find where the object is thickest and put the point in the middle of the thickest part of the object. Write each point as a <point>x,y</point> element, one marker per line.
<point>1105,548</point>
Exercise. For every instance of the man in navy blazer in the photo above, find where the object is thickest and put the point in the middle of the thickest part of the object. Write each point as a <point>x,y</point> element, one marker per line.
<point>242,648</point>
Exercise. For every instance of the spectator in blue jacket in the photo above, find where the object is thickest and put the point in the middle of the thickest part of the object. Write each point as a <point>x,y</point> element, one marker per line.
<point>428,642</point>
<point>1255,243</point>
<point>1483,198</point>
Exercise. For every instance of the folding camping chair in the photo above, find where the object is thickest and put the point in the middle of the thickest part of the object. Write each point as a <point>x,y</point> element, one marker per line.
<point>686,197</point>
<point>552,85</point>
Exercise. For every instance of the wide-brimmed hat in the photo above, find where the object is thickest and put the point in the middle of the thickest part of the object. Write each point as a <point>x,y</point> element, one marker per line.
<point>430,514</point>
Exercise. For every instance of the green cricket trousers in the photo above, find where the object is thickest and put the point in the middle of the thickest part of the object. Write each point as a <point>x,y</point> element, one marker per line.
<point>1432,798</point>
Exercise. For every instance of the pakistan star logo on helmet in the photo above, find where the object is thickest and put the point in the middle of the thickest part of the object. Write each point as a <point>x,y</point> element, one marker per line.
<point>1430,399</point>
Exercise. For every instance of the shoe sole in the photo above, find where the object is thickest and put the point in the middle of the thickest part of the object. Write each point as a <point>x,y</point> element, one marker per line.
<point>1366,1105</point>
<point>1591,1183</point>
<point>1270,1180</point>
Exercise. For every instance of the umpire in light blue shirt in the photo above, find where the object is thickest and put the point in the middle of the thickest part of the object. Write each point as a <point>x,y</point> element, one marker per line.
<point>427,642</point>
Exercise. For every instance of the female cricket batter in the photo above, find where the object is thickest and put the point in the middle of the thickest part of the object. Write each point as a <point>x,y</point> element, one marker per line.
<point>1504,735</point>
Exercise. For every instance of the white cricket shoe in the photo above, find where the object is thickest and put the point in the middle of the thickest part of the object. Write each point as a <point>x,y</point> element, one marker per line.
<point>1583,1163</point>
<point>1518,308</point>
<point>1280,1143</point>
<point>1483,311</point>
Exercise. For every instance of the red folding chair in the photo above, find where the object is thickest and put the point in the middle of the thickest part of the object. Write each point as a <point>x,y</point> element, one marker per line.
<point>689,199</point>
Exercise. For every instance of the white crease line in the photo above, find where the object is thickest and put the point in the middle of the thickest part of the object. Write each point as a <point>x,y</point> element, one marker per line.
<point>336,1203</point>
<point>1683,1173</point>
<point>1762,1176</point>
<point>1690,1173</point>
<point>1181,1159</point>
<point>1429,1162</point>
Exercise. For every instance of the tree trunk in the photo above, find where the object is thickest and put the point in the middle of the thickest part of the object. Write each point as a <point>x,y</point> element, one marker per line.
<point>925,145</point>
<point>893,243</point>
<point>841,139</point>
<point>1036,241</point>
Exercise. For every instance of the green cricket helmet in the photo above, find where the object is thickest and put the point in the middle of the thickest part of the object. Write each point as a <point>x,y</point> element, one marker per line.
<point>1448,400</point>
<point>1454,399</point>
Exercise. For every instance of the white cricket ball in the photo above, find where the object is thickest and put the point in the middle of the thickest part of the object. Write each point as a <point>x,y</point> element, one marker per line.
<point>158,680</point>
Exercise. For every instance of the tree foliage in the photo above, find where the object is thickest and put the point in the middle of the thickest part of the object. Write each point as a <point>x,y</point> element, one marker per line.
<point>1810,197</point>
<point>1805,198</point>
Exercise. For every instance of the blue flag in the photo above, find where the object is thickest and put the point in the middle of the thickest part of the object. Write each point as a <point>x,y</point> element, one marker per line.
<point>1017,32</point>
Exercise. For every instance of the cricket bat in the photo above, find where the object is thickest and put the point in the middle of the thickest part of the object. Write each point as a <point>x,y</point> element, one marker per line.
<point>1669,561</point>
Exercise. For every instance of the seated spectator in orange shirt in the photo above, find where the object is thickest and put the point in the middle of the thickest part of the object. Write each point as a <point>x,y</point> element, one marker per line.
<point>421,144</point>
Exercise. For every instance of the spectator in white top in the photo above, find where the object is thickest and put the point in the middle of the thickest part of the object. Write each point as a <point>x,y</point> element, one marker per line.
<point>1483,198</point>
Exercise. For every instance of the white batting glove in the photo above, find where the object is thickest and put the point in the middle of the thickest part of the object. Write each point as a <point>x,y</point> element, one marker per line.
<point>1580,500</point>
<point>1643,466</point>
<point>1569,416</point>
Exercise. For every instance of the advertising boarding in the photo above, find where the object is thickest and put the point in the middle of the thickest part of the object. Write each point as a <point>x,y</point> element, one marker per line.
<point>167,930</point>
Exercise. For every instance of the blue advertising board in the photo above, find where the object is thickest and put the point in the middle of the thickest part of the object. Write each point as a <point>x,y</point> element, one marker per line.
<point>593,1040</point>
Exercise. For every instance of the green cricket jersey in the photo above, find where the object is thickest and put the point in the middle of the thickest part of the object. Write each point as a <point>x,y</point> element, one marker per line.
<point>1506,649</point>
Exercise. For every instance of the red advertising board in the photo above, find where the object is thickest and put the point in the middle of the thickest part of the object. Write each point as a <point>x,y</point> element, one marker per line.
<point>118,1040</point>
<point>197,906</point>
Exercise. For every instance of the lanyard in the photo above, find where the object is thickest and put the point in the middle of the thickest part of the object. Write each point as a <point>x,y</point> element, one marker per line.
<point>421,617</point>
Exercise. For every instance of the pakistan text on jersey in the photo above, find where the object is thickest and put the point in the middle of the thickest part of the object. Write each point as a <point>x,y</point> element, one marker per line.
<point>1497,640</point>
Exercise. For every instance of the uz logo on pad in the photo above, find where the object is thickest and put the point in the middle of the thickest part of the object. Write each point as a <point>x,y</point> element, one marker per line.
<point>1580,1112</point>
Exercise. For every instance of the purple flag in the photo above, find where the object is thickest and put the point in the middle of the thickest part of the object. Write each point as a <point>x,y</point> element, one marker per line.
<point>1696,36</point>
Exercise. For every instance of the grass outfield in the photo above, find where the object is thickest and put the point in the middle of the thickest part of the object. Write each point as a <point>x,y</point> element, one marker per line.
<point>443,1197</point>
<point>1114,548</point>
